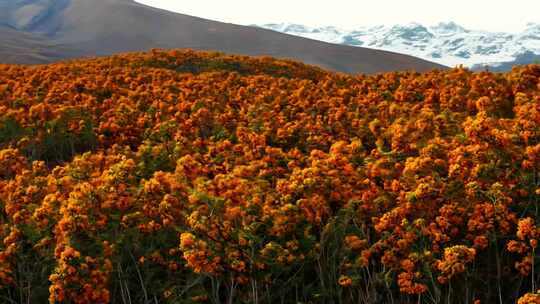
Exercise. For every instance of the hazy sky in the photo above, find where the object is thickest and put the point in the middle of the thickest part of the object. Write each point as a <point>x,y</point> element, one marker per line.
<point>494,15</point>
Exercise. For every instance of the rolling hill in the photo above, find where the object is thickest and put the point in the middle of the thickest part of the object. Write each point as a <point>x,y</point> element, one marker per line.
<point>53,30</point>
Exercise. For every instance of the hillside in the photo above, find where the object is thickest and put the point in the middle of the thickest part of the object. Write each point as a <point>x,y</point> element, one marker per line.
<point>189,177</point>
<point>102,27</point>
<point>26,48</point>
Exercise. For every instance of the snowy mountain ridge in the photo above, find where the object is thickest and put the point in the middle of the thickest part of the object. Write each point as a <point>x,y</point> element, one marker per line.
<point>446,43</point>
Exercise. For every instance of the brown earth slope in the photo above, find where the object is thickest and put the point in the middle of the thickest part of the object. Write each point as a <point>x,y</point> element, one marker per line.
<point>27,48</point>
<point>101,27</point>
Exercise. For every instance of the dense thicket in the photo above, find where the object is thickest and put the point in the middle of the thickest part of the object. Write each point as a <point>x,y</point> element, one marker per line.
<point>182,177</point>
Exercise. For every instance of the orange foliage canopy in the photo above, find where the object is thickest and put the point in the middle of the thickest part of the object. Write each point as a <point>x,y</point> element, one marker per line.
<point>253,170</point>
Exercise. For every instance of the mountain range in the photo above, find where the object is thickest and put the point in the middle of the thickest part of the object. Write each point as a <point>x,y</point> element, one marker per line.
<point>41,31</point>
<point>446,43</point>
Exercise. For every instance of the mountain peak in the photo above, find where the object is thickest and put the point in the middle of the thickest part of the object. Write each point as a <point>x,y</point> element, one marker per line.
<point>532,27</point>
<point>448,27</point>
<point>287,27</point>
<point>412,31</point>
<point>409,26</point>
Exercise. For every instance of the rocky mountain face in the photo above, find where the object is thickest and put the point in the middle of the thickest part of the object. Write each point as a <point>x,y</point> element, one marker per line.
<point>446,43</point>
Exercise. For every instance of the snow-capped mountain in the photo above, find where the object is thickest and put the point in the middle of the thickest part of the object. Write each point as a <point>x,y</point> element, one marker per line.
<point>446,43</point>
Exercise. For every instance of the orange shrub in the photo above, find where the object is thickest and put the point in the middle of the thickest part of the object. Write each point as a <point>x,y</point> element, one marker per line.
<point>177,175</point>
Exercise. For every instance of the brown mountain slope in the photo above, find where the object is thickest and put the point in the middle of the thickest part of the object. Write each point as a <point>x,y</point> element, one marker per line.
<point>28,48</point>
<point>101,27</point>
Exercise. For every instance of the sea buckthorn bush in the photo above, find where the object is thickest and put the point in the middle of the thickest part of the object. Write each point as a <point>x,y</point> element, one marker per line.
<point>199,177</point>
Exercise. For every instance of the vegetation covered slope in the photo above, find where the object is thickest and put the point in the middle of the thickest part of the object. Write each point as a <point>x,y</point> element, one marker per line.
<point>184,177</point>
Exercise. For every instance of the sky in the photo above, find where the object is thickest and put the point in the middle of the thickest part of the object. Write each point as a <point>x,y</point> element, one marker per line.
<point>491,15</point>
